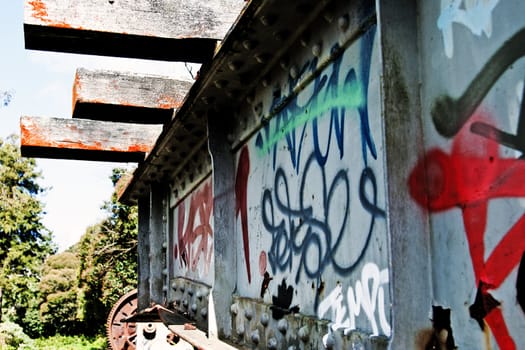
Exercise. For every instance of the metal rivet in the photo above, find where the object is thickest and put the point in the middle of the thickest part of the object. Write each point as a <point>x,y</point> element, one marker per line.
<point>328,16</point>
<point>249,44</point>
<point>255,337</point>
<point>265,319</point>
<point>284,63</point>
<point>194,307</point>
<point>282,326</point>
<point>305,39</point>
<point>219,84</point>
<point>262,57</point>
<point>329,341</point>
<point>316,49</point>
<point>204,312</point>
<point>185,303</point>
<point>174,285</point>
<point>164,288</point>
<point>343,22</point>
<point>234,65</point>
<point>165,272</point>
<point>272,344</point>
<point>294,71</point>
<point>304,333</point>
<point>248,314</point>
<point>267,20</point>
<point>234,309</point>
<point>240,330</point>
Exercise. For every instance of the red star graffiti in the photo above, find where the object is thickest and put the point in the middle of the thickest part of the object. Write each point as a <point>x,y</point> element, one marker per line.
<point>468,178</point>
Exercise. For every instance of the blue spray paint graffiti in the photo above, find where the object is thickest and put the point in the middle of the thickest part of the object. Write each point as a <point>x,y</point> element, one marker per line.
<point>329,98</point>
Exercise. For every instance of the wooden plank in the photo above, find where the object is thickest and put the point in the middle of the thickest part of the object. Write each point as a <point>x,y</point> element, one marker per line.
<point>86,139</point>
<point>172,30</point>
<point>126,97</point>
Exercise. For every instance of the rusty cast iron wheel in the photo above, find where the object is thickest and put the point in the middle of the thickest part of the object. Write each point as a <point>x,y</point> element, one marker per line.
<point>123,336</point>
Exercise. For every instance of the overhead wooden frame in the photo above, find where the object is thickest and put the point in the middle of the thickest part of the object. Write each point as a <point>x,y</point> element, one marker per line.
<point>126,97</point>
<point>175,30</point>
<point>82,139</point>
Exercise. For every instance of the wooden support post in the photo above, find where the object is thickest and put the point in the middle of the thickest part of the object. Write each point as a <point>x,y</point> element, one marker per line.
<point>86,139</point>
<point>183,30</point>
<point>121,97</point>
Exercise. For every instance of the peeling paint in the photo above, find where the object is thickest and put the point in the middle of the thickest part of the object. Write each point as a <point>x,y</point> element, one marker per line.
<point>39,10</point>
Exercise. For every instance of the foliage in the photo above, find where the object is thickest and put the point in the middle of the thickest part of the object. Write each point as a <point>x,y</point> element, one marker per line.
<point>59,311</point>
<point>72,292</point>
<point>24,241</point>
<point>6,97</point>
<point>60,342</point>
<point>108,258</point>
<point>12,337</point>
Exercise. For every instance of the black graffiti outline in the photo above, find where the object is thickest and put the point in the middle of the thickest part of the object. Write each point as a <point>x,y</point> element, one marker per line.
<point>449,114</point>
<point>285,245</point>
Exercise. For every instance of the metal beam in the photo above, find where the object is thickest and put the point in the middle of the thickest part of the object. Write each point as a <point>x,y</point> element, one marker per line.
<point>183,30</point>
<point>126,97</point>
<point>86,139</point>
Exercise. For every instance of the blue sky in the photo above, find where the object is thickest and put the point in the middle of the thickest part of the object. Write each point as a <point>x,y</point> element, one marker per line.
<point>42,84</point>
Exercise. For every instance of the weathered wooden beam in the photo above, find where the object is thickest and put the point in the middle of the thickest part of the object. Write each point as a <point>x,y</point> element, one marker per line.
<point>171,30</point>
<point>86,139</point>
<point>132,98</point>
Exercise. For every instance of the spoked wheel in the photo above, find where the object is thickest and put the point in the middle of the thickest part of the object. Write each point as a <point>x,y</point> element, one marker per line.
<point>123,335</point>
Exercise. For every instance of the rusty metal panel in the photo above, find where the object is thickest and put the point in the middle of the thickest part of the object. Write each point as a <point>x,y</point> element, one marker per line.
<point>469,182</point>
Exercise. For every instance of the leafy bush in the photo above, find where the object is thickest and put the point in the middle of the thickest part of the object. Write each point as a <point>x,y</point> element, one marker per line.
<point>12,337</point>
<point>61,342</point>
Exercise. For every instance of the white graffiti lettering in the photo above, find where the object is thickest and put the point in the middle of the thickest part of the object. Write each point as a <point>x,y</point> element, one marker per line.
<point>476,15</point>
<point>368,295</point>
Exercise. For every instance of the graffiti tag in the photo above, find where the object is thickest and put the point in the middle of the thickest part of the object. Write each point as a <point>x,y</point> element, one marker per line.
<point>368,296</point>
<point>194,241</point>
<point>476,15</point>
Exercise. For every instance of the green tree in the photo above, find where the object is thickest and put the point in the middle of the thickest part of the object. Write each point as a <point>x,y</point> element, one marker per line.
<point>60,295</point>
<point>108,258</point>
<point>24,241</point>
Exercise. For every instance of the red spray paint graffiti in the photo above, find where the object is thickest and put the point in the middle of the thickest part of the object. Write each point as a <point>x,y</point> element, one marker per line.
<point>467,178</point>
<point>241,195</point>
<point>194,231</point>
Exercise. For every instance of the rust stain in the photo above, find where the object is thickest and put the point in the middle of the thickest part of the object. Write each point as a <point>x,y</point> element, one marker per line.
<point>77,86</point>
<point>128,103</point>
<point>39,10</point>
<point>167,102</point>
<point>144,148</point>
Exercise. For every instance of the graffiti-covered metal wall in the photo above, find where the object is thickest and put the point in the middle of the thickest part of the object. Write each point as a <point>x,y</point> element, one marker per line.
<point>365,192</point>
<point>472,109</point>
<point>311,194</point>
